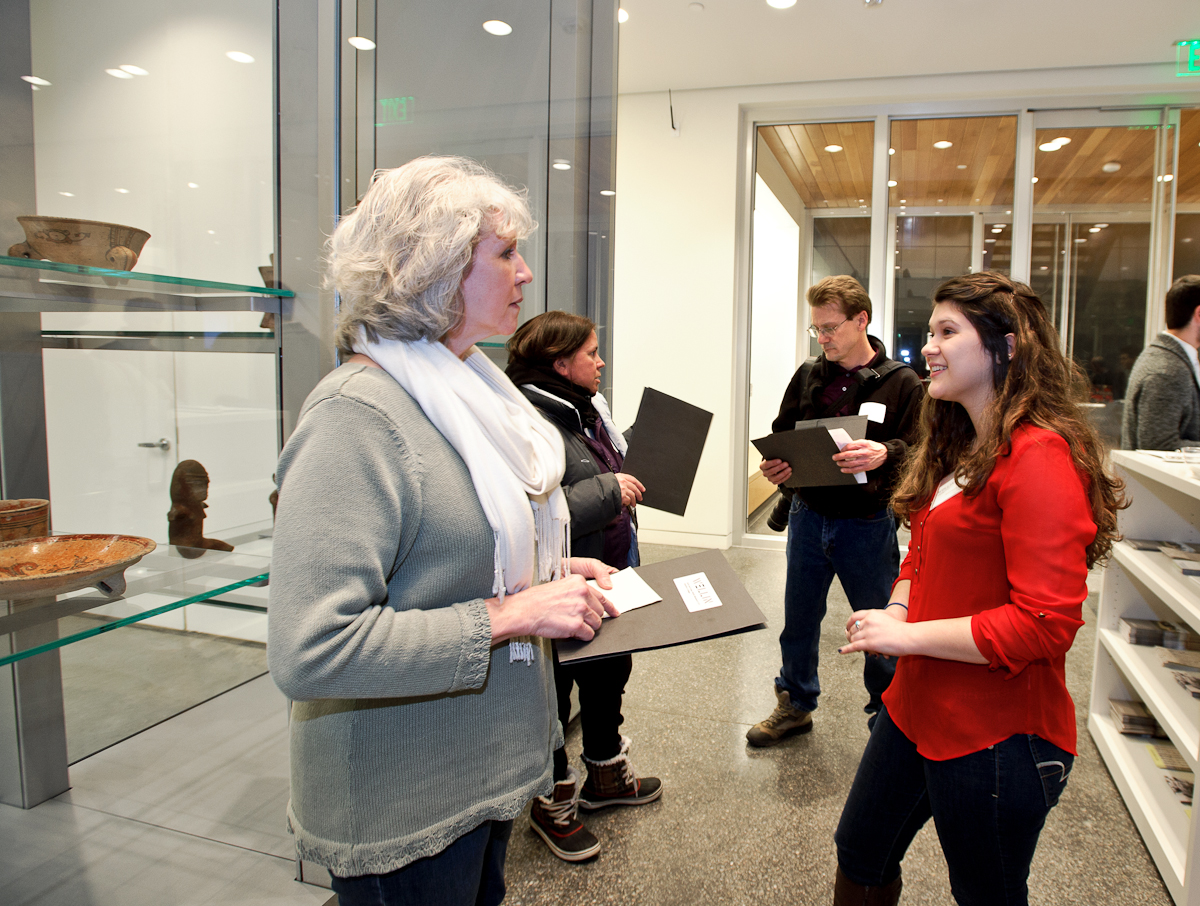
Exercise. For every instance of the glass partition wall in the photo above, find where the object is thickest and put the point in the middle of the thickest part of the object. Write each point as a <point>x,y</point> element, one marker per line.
<point>1108,215</point>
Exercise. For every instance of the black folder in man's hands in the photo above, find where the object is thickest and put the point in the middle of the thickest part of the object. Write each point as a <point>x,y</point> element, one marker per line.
<point>809,450</point>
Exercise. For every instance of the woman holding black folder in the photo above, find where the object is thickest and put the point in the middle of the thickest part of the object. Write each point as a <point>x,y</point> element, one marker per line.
<point>978,729</point>
<point>554,358</point>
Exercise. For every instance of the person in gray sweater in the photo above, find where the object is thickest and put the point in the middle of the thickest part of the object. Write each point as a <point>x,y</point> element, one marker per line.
<point>1162,400</point>
<point>419,557</point>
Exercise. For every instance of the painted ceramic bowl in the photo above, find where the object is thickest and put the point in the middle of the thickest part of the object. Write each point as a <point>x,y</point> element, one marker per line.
<point>91,243</point>
<point>24,518</point>
<point>42,567</point>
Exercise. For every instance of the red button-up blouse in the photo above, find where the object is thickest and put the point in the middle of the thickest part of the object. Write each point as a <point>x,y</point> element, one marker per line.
<point>1013,559</point>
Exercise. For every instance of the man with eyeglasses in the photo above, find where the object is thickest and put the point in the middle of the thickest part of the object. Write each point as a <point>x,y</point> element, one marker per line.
<point>842,530</point>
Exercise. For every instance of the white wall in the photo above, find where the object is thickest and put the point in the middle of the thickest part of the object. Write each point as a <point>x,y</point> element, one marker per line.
<point>678,306</point>
<point>773,301</point>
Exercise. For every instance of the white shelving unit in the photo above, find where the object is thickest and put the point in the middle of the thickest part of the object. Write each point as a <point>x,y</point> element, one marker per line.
<point>1165,506</point>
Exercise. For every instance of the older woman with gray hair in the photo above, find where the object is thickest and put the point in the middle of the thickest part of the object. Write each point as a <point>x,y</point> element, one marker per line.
<point>420,528</point>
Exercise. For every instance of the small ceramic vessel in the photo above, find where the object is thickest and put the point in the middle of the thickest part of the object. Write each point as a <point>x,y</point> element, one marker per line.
<point>24,518</point>
<point>43,567</point>
<point>91,243</point>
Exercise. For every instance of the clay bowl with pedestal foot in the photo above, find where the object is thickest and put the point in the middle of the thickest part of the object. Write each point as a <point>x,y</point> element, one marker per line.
<point>43,567</point>
<point>91,243</point>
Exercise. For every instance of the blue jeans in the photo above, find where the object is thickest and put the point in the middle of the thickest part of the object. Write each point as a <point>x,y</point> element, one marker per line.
<point>468,872</point>
<point>865,556</point>
<point>988,807</point>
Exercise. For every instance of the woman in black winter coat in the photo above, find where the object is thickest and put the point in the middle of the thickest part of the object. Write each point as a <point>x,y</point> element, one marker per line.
<point>554,358</point>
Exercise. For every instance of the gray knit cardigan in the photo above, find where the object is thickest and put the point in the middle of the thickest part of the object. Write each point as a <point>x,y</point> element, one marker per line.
<point>1162,401</point>
<point>407,729</point>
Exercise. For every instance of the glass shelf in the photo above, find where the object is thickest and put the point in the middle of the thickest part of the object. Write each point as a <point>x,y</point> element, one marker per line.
<point>29,285</point>
<point>166,580</point>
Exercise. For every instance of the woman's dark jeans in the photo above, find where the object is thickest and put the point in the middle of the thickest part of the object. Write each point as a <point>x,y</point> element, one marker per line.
<point>989,808</point>
<point>468,872</point>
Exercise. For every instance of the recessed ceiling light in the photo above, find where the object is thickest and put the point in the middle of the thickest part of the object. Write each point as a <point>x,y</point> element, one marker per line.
<point>989,240</point>
<point>212,232</point>
<point>781,4</point>
<point>891,151</point>
<point>962,166</point>
<point>1186,239</point>
<point>1035,179</point>
<point>68,194</point>
<point>1062,140</point>
<point>193,185</point>
<point>361,43</point>
<point>1102,225</point>
<point>496,27</point>
<point>1167,177</point>
<point>622,16</point>
<point>861,200</point>
<point>238,57</point>
<point>1048,146</point>
<point>891,183</point>
<point>607,192</point>
<point>998,230</point>
<point>833,149</point>
<point>118,73</point>
<point>1081,240</point>
<point>560,164</point>
<point>1094,230</point>
<point>943,145</point>
<point>122,191</point>
<point>34,80</point>
<point>940,200</point>
<point>902,201</point>
<point>133,70</point>
<point>1111,167</point>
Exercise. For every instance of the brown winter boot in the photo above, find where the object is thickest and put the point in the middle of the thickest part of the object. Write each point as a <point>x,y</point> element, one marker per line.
<point>847,893</point>
<point>613,782</point>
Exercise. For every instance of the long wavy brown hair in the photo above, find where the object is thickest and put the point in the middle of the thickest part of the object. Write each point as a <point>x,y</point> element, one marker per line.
<point>1039,386</point>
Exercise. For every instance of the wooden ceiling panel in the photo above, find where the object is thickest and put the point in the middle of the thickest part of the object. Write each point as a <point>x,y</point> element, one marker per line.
<point>1074,174</point>
<point>977,169</point>
<point>825,179</point>
<point>1187,181</point>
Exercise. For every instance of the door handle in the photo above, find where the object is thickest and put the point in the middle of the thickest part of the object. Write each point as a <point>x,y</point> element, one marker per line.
<point>162,443</point>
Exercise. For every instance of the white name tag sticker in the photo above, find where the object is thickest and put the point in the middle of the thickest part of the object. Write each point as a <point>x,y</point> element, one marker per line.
<point>697,592</point>
<point>875,412</point>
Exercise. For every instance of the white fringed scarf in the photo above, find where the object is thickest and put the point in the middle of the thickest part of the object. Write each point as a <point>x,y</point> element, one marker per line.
<point>516,458</point>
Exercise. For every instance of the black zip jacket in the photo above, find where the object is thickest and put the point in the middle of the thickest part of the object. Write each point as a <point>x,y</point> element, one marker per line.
<point>900,392</point>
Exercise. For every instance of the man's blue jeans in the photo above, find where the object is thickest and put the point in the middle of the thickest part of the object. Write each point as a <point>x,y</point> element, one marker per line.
<point>865,556</point>
<point>989,808</point>
<point>468,872</point>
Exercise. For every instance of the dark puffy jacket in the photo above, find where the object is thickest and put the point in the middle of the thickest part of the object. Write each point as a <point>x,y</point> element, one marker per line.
<point>593,494</point>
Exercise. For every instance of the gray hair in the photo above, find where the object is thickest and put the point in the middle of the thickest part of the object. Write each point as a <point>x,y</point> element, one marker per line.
<point>399,259</point>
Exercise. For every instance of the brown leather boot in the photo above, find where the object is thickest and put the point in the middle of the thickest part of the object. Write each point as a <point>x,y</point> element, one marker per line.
<point>847,893</point>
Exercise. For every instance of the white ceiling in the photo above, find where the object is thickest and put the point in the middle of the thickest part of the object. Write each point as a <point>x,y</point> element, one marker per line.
<point>746,42</point>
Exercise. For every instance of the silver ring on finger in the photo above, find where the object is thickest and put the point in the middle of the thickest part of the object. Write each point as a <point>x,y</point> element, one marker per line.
<point>858,624</point>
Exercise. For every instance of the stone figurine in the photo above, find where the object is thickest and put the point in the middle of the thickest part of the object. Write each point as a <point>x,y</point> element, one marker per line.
<point>185,521</point>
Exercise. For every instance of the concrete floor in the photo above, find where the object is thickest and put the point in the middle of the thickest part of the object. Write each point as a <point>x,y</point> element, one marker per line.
<point>191,811</point>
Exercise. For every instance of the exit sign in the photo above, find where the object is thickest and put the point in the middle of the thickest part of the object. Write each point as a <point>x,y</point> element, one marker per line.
<point>1187,58</point>
<point>394,111</point>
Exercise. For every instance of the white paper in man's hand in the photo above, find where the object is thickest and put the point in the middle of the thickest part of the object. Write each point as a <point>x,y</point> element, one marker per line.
<point>629,591</point>
<point>841,438</point>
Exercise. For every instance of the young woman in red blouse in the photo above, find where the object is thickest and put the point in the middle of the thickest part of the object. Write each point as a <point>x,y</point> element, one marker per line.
<point>1009,506</point>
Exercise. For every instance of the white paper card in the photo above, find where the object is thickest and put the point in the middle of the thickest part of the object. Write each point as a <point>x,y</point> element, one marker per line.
<point>697,592</point>
<point>841,438</point>
<point>874,412</point>
<point>629,591</point>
